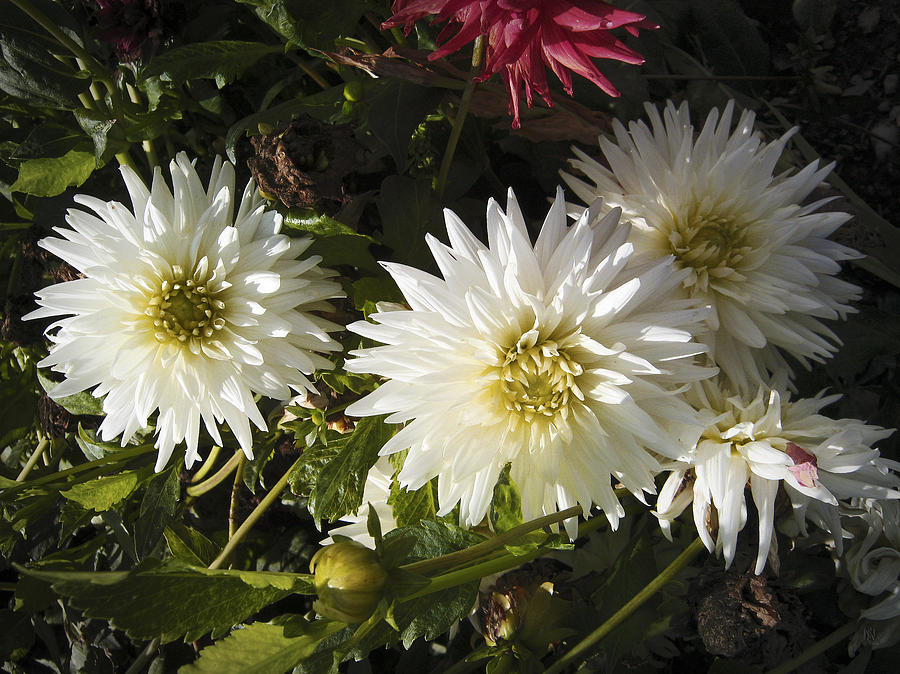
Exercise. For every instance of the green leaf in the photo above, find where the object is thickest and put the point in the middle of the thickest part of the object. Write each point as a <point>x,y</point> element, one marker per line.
<point>189,545</point>
<point>16,635</point>
<point>369,290</point>
<point>815,15</point>
<point>51,176</point>
<point>251,475</point>
<point>729,40</point>
<point>434,613</point>
<point>334,241</point>
<point>222,60</point>
<point>309,24</point>
<point>49,139</point>
<point>409,210</point>
<point>29,69</point>
<point>423,540</point>
<point>77,403</point>
<point>506,505</point>
<point>396,111</point>
<point>92,447</point>
<point>339,487</point>
<point>97,126</point>
<point>172,600</point>
<point>306,472</point>
<point>105,492</point>
<point>263,648</point>
<point>159,505</point>
<point>411,506</point>
<point>34,595</point>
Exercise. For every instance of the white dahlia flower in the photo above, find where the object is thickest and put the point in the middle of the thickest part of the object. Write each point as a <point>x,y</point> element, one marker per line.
<point>184,307</point>
<point>549,357</point>
<point>753,252</point>
<point>376,492</point>
<point>769,441</point>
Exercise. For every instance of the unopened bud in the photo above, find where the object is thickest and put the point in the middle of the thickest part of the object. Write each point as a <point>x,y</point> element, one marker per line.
<point>349,581</point>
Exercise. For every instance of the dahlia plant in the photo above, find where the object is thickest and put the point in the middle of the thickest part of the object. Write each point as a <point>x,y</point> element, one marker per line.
<point>305,355</point>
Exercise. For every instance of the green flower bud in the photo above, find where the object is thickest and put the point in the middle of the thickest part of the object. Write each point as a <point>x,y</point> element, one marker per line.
<point>349,580</point>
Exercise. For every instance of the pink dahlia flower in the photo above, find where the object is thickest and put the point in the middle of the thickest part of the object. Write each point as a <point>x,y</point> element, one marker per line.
<point>521,34</point>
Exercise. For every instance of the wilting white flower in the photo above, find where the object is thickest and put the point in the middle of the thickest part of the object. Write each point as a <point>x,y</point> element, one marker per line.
<point>375,494</point>
<point>753,252</point>
<point>549,357</point>
<point>876,570</point>
<point>184,307</point>
<point>770,441</point>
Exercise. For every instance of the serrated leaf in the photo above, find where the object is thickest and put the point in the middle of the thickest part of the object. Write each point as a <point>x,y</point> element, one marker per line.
<point>730,41</point>
<point>411,506</point>
<point>433,614</point>
<point>222,60</point>
<point>29,69</point>
<point>103,493</point>
<point>309,24</point>
<point>51,176</point>
<point>172,600</point>
<point>77,403</point>
<point>158,506</point>
<point>189,545</point>
<point>409,210</point>
<point>423,540</point>
<point>263,648</point>
<point>97,126</point>
<point>395,111</point>
<point>816,15</point>
<point>339,487</point>
<point>506,505</point>
<point>369,290</point>
<point>305,473</point>
<point>334,241</point>
<point>16,635</point>
<point>91,447</point>
<point>49,139</point>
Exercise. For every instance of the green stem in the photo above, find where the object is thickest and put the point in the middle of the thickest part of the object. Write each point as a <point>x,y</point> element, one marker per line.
<point>475,572</point>
<point>146,145</point>
<point>817,648</point>
<point>586,645</point>
<point>208,463</point>
<point>33,459</point>
<point>459,121</point>
<point>248,523</point>
<point>480,549</point>
<point>96,68</point>
<point>215,480</point>
<point>138,665</point>
<point>235,489</point>
<point>504,562</point>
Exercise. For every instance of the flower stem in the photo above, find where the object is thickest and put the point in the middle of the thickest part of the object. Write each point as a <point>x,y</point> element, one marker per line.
<point>587,644</point>
<point>145,655</point>
<point>235,489</point>
<point>208,463</point>
<point>252,518</point>
<point>456,131</point>
<point>817,648</point>
<point>146,145</point>
<point>215,480</point>
<point>480,549</point>
<point>33,459</point>
<point>475,572</point>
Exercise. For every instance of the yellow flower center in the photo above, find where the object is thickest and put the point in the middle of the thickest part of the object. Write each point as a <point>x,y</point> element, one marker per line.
<point>538,379</point>
<point>712,244</point>
<point>185,307</point>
